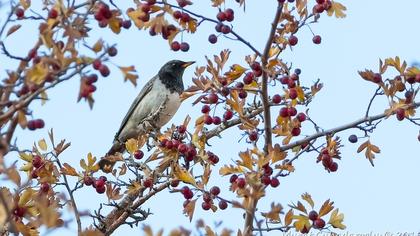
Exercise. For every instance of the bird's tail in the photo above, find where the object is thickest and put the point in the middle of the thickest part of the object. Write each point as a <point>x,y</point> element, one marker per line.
<point>116,147</point>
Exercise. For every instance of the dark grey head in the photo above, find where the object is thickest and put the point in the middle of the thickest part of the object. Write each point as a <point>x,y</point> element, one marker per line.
<point>171,74</point>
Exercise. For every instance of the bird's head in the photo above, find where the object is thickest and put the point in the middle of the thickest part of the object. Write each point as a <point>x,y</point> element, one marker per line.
<point>174,69</point>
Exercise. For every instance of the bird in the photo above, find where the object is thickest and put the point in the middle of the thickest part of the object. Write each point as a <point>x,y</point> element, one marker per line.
<point>154,106</point>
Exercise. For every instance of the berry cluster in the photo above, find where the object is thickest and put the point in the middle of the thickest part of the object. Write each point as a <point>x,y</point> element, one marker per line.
<point>317,222</point>
<point>266,178</point>
<point>102,68</point>
<point>35,124</point>
<point>327,160</point>
<point>321,6</point>
<point>188,151</point>
<point>89,88</point>
<point>98,184</point>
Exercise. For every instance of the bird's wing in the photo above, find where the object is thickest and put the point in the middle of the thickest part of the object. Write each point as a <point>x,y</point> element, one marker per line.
<point>145,90</point>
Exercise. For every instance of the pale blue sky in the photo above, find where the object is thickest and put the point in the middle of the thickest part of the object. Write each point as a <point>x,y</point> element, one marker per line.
<point>379,199</point>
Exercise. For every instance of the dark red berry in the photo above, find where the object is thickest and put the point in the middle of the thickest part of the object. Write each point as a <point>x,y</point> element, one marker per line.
<point>175,46</point>
<point>92,79</point>
<point>319,8</point>
<point>104,70</point>
<point>233,178</point>
<point>99,183</point>
<point>320,1</point>
<point>37,161</point>
<point>217,120</point>
<point>103,178</point>
<point>249,78</point>
<point>239,85</point>
<point>377,78</point>
<point>265,180</point>
<point>228,115</point>
<point>241,182</point>
<point>301,117</point>
<point>205,109</point>
<point>276,99</point>
<point>400,114</point>
<point>112,51</point>
<point>206,206</point>
<point>88,181</point>
<point>212,98</point>
<point>39,123</point>
<point>19,12</point>
<point>221,16</point>
<point>353,138</point>
<point>184,47</point>
<point>319,223</point>
<point>284,112</point>
<point>208,120</point>
<point>226,29</point>
<point>182,148</point>
<point>151,2</point>
<point>19,211</point>
<point>313,215</point>
<point>148,183</point>
<point>34,174</point>
<point>182,3</point>
<point>242,94</point>
<point>96,64</point>
<point>138,154</point>
<point>207,197</point>
<point>274,182</point>
<point>212,38</point>
<point>177,14</point>
<point>188,194</point>
<point>53,13</point>
<point>333,166</point>
<point>285,80</point>
<point>230,14</point>
<point>253,136</point>
<point>100,189</point>
<point>225,91</point>
<point>292,111</point>
<point>185,17</point>
<point>295,131</point>
<point>293,93</point>
<point>215,190</point>
<point>181,129</point>
<point>293,40</point>
<point>316,39</point>
<point>174,183</point>
<point>218,27</point>
<point>223,205</point>
<point>126,24</point>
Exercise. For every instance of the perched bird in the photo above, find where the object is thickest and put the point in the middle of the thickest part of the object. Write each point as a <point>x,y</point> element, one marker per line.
<point>155,105</point>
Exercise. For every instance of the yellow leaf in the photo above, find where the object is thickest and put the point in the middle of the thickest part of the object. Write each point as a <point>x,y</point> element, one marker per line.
<point>307,197</point>
<point>131,145</point>
<point>288,217</point>
<point>301,222</point>
<point>275,154</point>
<point>26,196</point>
<point>68,170</point>
<point>25,3</point>
<point>235,72</point>
<point>129,75</point>
<point>326,208</point>
<point>209,231</point>
<point>336,219</point>
<point>183,175</point>
<point>114,24</point>
<point>246,160</point>
<point>42,144</point>
<point>338,9</point>
<point>274,214</point>
<point>273,51</point>
<point>37,73</point>
<point>22,119</point>
<point>230,169</point>
<point>97,47</point>
<point>25,156</point>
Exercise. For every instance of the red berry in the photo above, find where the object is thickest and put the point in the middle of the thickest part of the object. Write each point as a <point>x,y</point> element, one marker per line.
<point>285,80</point>
<point>191,153</point>
<point>188,194</point>
<point>100,189</point>
<point>91,79</point>
<point>212,38</point>
<point>241,182</point>
<point>45,187</point>
<point>291,84</point>
<point>88,181</point>
<point>145,8</point>
<point>276,99</point>
<point>284,112</point>
<point>400,114</point>
<point>151,2</point>
<point>225,91</point>
<point>228,115</point>
<point>182,3</point>
<point>39,123</point>
<point>19,12</point>
<point>294,77</point>
<point>208,120</point>
<point>212,98</point>
<point>233,178</point>
<point>293,40</point>
<point>217,120</point>
<point>104,70</point>
<point>138,154</point>
<point>301,117</point>
<point>333,166</point>
<point>319,223</point>
<point>230,14</point>
<point>126,24</point>
<point>112,51</point>
<point>293,93</point>
<point>175,144</point>
<point>418,78</point>
<point>268,170</point>
<point>295,131</point>
<point>181,129</point>
<point>207,197</point>
<point>225,29</point>
<point>320,1</point>
<point>223,205</point>
<point>221,16</point>
<point>96,64</point>
<point>31,125</point>
<point>99,183</point>
<point>249,77</point>
<point>34,174</point>
<point>206,206</point>
<point>174,183</point>
<point>411,80</point>
<point>19,211</point>
<point>215,190</point>
<point>52,13</point>
<point>274,182</point>
<point>175,46</point>
<point>239,85</point>
<point>326,161</point>
<point>183,148</point>
<point>292,111</point>
<point>184,47</point>
<point>313,215</point>
<point>177,14</point>
<point>319,8</point>
<point>377,78</point>
<point>169,144</point>
<point>218,27</point>
<point>242,94</point>
<point>148,183</point>
<point>205,109</point>
<point>316,39</point>
<point>185,17</point>
<point>253,136</point>
<point>327,4</point>
<point>265,180</point>
<point>37,161</point>
<point>353,138</point>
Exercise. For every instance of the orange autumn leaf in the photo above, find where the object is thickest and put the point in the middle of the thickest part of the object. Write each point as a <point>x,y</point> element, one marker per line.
<point>128,73</point>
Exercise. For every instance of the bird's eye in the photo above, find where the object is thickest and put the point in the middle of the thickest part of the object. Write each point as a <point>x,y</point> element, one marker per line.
<point>173,65</point>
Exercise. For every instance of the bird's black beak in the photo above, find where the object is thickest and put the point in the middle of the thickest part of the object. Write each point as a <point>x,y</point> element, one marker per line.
<point>186,64</point>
